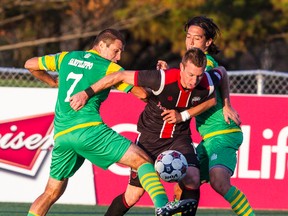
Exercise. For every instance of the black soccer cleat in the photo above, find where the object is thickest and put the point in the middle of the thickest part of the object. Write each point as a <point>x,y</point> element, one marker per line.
<point>174,207</point>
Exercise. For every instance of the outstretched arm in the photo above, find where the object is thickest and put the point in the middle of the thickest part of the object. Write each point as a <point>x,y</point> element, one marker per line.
<point>228,111</point>
<point>140,92</point>
<point>33,66</point>
<point>78,100</point>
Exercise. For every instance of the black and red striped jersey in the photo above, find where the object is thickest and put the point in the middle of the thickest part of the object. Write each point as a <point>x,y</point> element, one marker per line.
<point>168,93</point>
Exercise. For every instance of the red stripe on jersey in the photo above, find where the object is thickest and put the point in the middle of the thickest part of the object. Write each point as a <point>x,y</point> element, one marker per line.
<point>136,78</point>
<point>183,99</point>
<point>167,130</point>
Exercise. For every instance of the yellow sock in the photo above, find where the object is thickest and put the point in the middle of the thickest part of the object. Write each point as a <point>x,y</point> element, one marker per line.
<point>151,183</point>
<point>239,202</point>
<point>32,214</point>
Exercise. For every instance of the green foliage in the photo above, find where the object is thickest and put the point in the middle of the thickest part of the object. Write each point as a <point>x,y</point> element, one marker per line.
<point>244,24</point>
<point>248,27</point>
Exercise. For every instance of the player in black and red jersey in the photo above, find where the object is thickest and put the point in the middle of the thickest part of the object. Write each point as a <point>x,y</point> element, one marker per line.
<point>172,89</point>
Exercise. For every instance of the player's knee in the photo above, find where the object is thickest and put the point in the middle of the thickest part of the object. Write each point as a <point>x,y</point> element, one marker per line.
<point>192,178</point>
<point>220,187</point>
<point>139,157</point>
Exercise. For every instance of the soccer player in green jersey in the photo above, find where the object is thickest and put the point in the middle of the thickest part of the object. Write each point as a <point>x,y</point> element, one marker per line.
<point>83,135</point>
<point>218,126</point>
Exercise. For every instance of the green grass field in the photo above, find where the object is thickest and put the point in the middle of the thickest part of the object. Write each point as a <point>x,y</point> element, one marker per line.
<point>20,209</point>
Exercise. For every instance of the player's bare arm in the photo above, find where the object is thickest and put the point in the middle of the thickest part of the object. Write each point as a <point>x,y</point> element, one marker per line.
<point>228,111</point>
<point>32,66</point>
<point>140,93</point>
<point>78,100</point>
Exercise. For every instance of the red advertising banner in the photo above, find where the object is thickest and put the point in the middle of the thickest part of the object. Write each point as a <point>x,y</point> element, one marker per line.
<point>261,171</point>
<point>23,148</point>
<point>26,139</point>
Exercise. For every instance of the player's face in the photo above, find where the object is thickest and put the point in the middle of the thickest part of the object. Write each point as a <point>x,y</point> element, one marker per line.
<point>195,37</point>
<point>191,75</point>
<point>113,51</point>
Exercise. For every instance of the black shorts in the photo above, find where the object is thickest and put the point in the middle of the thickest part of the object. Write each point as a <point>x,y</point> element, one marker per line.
<point>153,146</point>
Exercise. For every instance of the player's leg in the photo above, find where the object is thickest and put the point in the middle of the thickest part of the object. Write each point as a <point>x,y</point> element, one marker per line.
<point>123,202</point>
<point>232,197</point>
<point>107,147</point>
<point>150,182</point>
<point>220,179</point>
<point>54,189</point>
<point>188,187</point>
<point>137,159</point>
<point>220,182</point>
<point>222,168</point>
<point>103,147</point>
<point>182,192</point>
<point>65,162</point>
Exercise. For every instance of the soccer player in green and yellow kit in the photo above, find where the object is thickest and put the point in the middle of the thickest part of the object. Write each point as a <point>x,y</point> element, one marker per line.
<point>218,126</point>
<point>83,135</point>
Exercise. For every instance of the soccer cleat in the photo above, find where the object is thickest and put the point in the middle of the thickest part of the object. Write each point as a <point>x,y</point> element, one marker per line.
<point>175,207</point>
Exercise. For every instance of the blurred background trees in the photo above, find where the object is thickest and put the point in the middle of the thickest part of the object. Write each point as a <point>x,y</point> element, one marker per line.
<point>254,32</point>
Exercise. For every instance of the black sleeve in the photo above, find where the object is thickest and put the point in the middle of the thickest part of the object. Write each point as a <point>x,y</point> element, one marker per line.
<point>215,75</point>
<point>149,78</point>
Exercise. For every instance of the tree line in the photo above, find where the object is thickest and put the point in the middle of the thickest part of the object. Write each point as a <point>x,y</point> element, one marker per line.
<point>254,34</point>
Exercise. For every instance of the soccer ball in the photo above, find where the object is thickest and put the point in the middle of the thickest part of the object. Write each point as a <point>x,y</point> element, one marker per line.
<point>171,165</point>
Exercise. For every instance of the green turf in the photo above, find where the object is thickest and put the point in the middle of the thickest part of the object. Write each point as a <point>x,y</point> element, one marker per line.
<point>20,209</point>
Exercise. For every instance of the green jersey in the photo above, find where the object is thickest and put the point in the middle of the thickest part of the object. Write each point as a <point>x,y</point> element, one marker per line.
<point>212,121</point>
<point>77,71</point>
<point>211,63</point>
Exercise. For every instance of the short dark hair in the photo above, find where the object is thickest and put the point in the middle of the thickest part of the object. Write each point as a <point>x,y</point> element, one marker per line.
<point>196,56</point>
<point>109,36</point>
<point>210,28</point>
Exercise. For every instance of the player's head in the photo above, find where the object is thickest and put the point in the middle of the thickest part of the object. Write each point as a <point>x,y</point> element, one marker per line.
<point>192,67</point>
<point>110,44</point>
<point>201,32</point>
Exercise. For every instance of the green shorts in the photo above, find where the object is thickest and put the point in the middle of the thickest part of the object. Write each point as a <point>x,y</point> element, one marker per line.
<point>218,150</point>
<point>100,144</point>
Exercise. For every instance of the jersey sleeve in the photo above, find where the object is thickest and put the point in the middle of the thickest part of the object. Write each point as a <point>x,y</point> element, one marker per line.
<point>51,62</point>
<point>211,80</point>
<point>149,78</point>
<point>124,87</point>
<point>215,76</point>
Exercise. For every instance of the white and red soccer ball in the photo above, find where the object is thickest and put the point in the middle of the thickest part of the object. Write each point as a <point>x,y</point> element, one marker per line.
<point>171,165</point>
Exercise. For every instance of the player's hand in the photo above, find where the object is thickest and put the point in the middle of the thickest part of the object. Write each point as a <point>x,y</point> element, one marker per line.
<point>171,116</point>
<point>230,113</point>
<point>78,100</point>
<point>162,65</point>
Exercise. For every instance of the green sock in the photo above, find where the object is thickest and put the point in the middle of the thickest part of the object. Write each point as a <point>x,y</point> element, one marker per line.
<point>238,202</point>
<point>151,183</point>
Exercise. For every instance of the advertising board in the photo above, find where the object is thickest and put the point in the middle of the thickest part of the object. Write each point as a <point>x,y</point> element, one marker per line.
<point>26,117</point>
